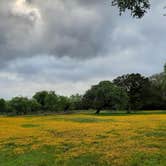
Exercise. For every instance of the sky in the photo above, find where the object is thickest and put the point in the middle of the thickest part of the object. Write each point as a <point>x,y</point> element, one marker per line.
<point>67,46</point>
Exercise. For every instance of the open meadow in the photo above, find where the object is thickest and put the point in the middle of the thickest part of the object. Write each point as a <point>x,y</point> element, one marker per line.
<point>84,139</point>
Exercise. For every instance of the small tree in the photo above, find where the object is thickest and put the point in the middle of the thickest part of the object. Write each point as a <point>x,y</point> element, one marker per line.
<point>105,95</point>
<point>20,105</point>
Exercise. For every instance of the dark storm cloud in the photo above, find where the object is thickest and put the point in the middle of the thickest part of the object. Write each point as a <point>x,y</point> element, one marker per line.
<point>61,28</point>
<point>17,29</point>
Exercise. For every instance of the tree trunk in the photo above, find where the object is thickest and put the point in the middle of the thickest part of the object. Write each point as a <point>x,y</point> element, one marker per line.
<point>129,109</point>
<point>97,111</point>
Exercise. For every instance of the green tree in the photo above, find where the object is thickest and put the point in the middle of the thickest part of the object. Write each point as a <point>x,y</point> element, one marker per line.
<point>63,103</point>
<point>164,83</point>
<point>51,102</point>
<point>76,102</point>
<point>20,105</point>
<point>158,82</point>
<point>40,97</point>
<point>3,106</point>
<point>105,95</point>
<point>137,88</point>
<point>137,7</point>
<point>34,106</point>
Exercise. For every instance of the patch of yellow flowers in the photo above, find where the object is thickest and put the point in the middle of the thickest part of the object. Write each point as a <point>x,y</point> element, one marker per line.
<point>112,136</point>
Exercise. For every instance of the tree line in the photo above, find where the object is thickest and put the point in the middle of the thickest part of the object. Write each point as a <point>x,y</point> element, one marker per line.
<point>129,92</point>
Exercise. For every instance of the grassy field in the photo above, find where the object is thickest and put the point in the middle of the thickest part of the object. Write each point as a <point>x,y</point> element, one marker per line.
<point>84,139</point>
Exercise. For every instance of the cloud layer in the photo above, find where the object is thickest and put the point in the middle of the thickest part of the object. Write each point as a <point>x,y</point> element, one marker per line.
<point>67,45</point>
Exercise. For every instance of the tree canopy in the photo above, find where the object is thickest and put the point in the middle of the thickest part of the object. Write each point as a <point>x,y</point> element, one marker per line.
<point>105,95</point>
<point>137,88</point>
<point>3,105</point>
<point>23,105</point>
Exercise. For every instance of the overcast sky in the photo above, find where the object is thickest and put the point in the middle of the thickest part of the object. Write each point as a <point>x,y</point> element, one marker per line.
<point>67,46</point>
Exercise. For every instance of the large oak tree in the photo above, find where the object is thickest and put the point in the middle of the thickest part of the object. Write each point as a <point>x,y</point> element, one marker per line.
<point>105,95</point>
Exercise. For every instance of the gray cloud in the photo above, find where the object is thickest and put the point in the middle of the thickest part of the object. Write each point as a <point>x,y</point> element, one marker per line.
<point>67,46</point>
<point>59,28</point>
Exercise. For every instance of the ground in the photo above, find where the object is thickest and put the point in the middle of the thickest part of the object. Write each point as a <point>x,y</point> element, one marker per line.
<point>84,139</point>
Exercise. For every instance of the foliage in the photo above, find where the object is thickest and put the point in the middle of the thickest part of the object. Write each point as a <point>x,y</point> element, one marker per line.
<point>76,102</point>
<point>137,88</point>
<point>51,101</point>
<point>158,82</point>
<point>40,98</point>
<point>20,105</point>
<point>64,103</point>
<point>23,105</point>
<point>34,105</point>
<point>137,7</point>
<point>105,95</point>
<point>3,106</point>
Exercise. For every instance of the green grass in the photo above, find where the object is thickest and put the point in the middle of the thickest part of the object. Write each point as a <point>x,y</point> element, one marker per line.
<point>41,157</point>
<point>30,125</point>
<point>90,120</point>
<point>144,159</point>
<point>123,113</point>
<point>49,156</point>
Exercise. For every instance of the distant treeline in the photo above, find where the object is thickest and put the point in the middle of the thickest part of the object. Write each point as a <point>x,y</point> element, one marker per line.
<point>128,92</point>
